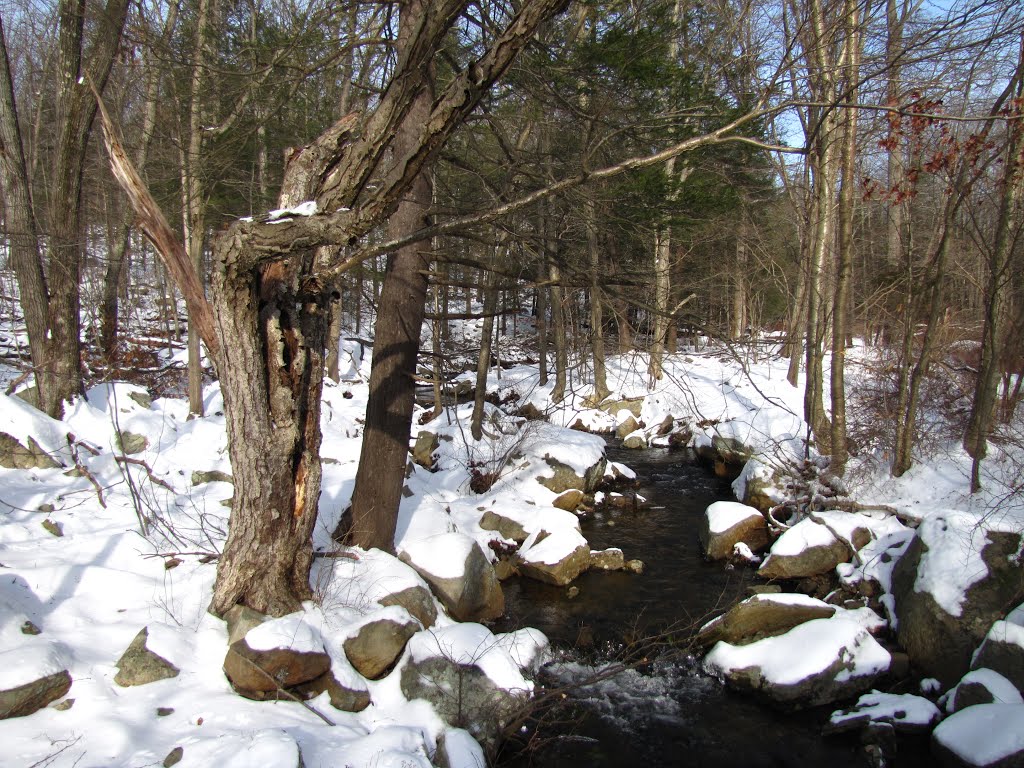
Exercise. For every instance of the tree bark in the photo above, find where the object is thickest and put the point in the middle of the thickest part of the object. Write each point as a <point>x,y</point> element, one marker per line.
<point>979,424</point>
<point>844,251</point>
<point>400,314</point>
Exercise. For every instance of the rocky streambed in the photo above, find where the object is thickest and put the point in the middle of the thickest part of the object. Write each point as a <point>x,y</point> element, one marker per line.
<point>664,708</point>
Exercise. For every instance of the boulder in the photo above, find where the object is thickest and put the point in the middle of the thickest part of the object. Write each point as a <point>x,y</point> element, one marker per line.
<point>139,665</point>
<point>990,735</point>
<point>727,523</point>
<point>1002,650</point>
<point>632,404</point>
<point>199,477</point>
<point>14,455</point>
<point>556,558</point>
<point>417,601</point>
<point>818,662</point>
<point>277,653</point>
<point>565,477</point>
<point>25,699</point>
<point>942,617</point>
<point>627,425</point>
<point>807,549</point>
<point>610,559</point>
<point>343,698</point>
<point>982,686</point>
<point>636,440</point>
<point>376,646</point>
<point>506,527</point>
<point>762,616</point>
<point>131,442</point>
<point>424,448</point>
<point>903,712</point>
<point>469,678</point>
<point>464,581</point>
<point>569,501</point>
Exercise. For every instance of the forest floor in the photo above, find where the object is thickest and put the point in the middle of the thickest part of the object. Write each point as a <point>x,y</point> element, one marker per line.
<point>92,556</point>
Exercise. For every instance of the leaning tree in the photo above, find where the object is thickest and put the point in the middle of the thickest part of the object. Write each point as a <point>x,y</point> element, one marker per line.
<point>267,324</point>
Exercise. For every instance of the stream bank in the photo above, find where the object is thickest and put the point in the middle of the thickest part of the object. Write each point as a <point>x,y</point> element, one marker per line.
<point>665,711</point>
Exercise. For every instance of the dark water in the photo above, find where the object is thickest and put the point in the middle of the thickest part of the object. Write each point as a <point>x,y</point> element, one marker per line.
<point>662,710</point>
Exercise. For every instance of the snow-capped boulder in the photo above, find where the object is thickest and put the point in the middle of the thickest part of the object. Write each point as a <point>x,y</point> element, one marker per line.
<point>351,695</point>
<point>506,527</point>
<point>277,653</point>
<point>376,645</point>
<point>954,580</point>
<point>29,438</point>
<point>417,601</point>
<point>569,501</point>
<point>761,616</point>
<point>759,486</point>
<point>1002,650</point>
<point>807,549</point>
<point>140,664</point>
<point>564,477</point>
<point>904,712</point>
<point>424,449</point>
<point>636,440</point>
<point>985,735</point>
<point>818,662</point>
<point>982,686</point>
<point>727,523</point>
<point>33,673</point>
<point>554,558</point>
<point>627,424</point>
<point>472,678</point>
<point>459,574</point>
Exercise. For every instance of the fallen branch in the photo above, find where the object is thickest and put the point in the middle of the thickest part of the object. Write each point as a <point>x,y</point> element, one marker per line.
<point>149,470</point>
<point>81,468</point>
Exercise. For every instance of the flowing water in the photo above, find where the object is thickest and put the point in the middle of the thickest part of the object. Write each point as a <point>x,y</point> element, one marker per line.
<point>662,711</point>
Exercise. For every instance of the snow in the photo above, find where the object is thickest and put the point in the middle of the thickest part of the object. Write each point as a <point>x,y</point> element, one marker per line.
<point>295,631</point>
<point>899,708</point>
<point>1002,690</point>
<point>983,734</point>
<point>473,644</point>
<point>93,590</point>
<point>951,558</point>
<point>30,660</point>
<point>552,548</point>
<point>801,536</point>
<point>444,554</point>
<point>723,515</point>
<point>1004,632</point>
<point>803,652</point>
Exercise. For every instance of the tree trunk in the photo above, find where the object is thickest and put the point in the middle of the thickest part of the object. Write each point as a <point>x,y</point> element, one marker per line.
<point>979,424</point>
<point>476,426</point>
<point>558,332</point>
<point>19,216</point>
<point>662,289</point>
<point>601,390</point>
<point>193,190</point>
<point>844,252</point>
<point>272,322</point>
<point>400,314</point>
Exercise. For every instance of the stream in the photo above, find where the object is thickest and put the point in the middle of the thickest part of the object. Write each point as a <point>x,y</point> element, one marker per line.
<point>663,711</point>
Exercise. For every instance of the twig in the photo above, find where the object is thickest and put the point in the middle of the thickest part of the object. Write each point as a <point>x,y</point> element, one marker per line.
<point>149,470</point>
<point>81,468</point>
<point>289,694</point>
<point>337,554</point>
<point>208,557</point>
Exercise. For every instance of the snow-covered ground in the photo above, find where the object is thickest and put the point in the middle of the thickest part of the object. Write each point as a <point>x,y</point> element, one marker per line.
<point>92,556</point>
